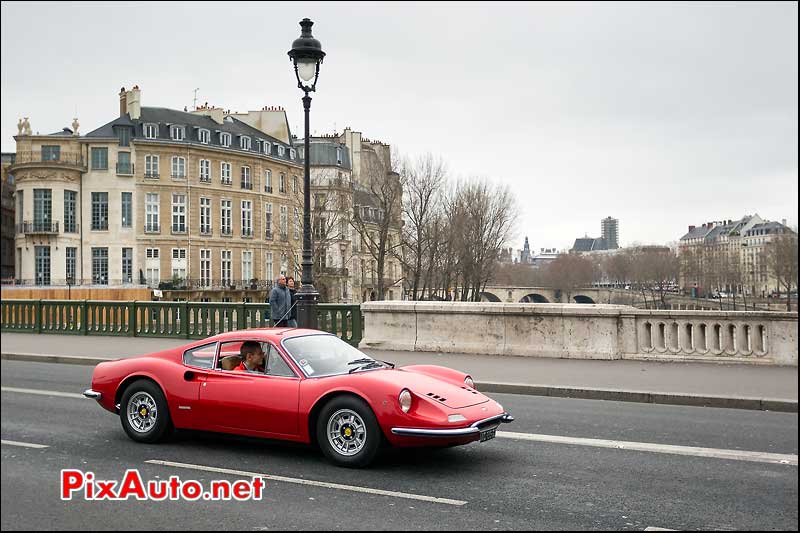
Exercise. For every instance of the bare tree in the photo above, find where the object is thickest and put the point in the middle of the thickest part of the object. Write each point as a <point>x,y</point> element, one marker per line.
<point>619,268</point>
<point>657,271</point>
<point>782,262</point>
<point>423,180</point>
<point>569,272</point>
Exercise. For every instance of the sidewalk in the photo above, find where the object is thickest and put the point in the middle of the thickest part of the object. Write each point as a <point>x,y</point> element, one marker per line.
<point>719,385</point>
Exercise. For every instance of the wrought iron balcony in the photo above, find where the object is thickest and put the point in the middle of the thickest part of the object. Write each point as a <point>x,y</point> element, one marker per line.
<point>268,189</point>
<point>71,159</point>
<point>247,185</point>
<point>37,228</point>
<point>151,175</point>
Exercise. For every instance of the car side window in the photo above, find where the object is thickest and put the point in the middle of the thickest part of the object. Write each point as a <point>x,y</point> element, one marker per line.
<point>229,355</point>
<point>276,366</point>
<point>201,356</point>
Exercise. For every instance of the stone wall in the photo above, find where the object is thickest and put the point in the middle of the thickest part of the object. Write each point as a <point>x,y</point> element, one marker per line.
<point>582,331</point>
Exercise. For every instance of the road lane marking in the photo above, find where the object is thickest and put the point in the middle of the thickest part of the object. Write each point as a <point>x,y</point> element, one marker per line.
<point>312,483</point>
<point>43,392</point>
<point>23,444</point>
<point>736,455</point>
<point>654,528</point>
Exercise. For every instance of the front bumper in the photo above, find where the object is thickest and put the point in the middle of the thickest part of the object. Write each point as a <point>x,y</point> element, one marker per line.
<point>92,394</point>
<point>473,430</point>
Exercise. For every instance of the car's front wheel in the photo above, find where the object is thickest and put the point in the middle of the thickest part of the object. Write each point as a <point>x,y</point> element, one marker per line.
<point>144,413</point>
<point>348,432</point>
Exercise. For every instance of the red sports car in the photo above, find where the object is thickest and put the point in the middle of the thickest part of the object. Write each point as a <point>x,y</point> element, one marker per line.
<point>295,384</point>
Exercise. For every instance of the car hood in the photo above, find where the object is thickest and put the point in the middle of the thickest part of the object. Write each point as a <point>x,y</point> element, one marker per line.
<point>422,385</point>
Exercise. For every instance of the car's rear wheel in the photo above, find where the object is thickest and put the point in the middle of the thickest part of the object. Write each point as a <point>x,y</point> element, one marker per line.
<point>144,413</point>
<point>348,432</point>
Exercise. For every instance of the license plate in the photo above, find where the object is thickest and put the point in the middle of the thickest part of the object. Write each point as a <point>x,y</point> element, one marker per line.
<point>489,434</point>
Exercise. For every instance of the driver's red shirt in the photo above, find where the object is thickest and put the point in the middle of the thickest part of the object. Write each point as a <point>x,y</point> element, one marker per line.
<point>243,368</point>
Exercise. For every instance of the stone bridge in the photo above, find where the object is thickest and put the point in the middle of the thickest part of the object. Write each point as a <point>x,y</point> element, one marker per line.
<point>544,295</point>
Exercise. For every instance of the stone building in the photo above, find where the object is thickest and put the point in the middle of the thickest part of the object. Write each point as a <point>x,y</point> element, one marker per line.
<point>7,229</point>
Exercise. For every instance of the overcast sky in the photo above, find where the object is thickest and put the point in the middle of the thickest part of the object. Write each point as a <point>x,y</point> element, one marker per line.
<point>660,115</point>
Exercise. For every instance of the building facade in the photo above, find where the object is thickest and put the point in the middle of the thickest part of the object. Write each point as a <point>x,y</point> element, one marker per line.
<point>7,227</point>
<point>196,199</point>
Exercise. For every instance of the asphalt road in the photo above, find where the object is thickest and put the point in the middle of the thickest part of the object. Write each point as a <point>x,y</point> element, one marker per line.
<point>507,483</point>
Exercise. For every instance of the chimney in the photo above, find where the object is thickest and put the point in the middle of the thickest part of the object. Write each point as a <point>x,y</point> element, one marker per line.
<point>691,228</point>
<point>783,221</point>
<point>134,98</point>
<point>123,102</point>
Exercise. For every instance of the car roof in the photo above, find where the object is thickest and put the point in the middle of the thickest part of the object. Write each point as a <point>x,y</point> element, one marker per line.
<point>273,334</point>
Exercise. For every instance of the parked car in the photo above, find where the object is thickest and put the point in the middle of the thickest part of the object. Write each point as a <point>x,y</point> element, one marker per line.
<point>314,388</point>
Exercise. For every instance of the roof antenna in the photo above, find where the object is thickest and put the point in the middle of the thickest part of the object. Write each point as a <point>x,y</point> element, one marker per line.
<point>195,98</point>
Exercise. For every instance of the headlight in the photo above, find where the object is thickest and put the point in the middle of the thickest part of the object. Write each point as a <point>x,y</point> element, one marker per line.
<point>469,383</point>
<point>405,400</point>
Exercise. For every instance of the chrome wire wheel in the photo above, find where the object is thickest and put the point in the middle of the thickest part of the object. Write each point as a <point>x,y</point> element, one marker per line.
<point>142,412</point>
<point>347,433</point>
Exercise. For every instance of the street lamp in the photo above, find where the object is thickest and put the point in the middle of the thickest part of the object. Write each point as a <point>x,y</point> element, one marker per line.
<point>306,55</point>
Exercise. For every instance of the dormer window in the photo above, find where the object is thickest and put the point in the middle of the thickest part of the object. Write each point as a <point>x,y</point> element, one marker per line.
<point>204,136</point>
<point>338,156</point>
<point>177,133</point>
<point>151,131</point>
<point>281,150</point>
<point>292,154</point>
<point>244,142</point>
<point>267,148</point>
<point>225,139</point>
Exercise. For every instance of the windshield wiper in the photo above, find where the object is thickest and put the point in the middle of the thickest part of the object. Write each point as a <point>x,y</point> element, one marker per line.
<point>361,361</point>
<point>371,364</point>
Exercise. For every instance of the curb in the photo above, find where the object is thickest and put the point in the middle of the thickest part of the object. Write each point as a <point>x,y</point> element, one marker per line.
<point>585,393</point>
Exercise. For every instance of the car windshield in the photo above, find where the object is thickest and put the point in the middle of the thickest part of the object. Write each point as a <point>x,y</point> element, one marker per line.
<point>326,355</point>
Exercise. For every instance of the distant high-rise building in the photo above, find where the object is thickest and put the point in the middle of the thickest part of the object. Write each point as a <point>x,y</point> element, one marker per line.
<point>610,232</point>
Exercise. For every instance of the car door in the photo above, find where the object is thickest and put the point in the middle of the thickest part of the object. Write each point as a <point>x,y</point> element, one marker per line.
<point>266,403</point>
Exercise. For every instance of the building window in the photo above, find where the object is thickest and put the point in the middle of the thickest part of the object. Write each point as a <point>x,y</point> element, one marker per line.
<point>204,136</point>
<point>127,209</point>
<point>225,216</point>
<point>99,158</point>
<point>151,131</point>
<point>225,139</point>
<point>225,271</point>
<point>268,222</point>
<point>281,151</point>
<point>338,156</point>
<point>247,266</point>
<point>51,153</point>
<point>205,170</point>
<point>178,213</point>
<point>177,133</point>
<point>205,268</point>
<point>225,173</point>
<point>42,210</point>
<point>247,218</point>
<point>127,265</point>
<point>124,165</point>
<point>124,136</point>
<point>292,154</point>
<point>244,142</point>
<point>205,216</point>
<point>179,263</point>
<point>282,183</point>
<point>151,208</point>
<point>70,202</point>
<point>294,184</point>
<point>284,265</point>
<point>100,266</point>
<point>152,267</point>
<point>100,211</point>
<point>267,147</point>
<point>178,167</point>
<point>296,223</point>
<point>268,181</point>
<point>42,258</point>
<point>284,223</point>
<point>268,267</point>
<point>246,183</point>
<point>69,267</point>
<point>151,166</point>
<point>20,206</point>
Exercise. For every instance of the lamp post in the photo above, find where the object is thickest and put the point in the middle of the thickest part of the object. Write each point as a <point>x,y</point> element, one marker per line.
<point>306,55</point>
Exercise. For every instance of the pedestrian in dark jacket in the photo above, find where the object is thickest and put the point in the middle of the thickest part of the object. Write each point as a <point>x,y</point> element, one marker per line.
<point>293,293</point>
<point>280,303</point>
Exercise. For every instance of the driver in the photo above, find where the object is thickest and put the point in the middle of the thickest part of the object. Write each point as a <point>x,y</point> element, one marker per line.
<point>252,357</point>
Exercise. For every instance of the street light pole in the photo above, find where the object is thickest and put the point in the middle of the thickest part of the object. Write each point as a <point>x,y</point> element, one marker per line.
<point>306,55</point>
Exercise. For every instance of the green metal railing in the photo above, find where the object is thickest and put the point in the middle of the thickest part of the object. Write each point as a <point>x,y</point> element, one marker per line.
<point>189,320</point>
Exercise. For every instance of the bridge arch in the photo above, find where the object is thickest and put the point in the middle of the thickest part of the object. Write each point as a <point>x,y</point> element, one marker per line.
<point>535,298</point>
<point>489,297</point>
<point>582,299</point>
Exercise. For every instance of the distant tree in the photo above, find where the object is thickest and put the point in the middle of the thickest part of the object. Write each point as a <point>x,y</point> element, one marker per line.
<point>782,262</point>
<point>569,272</point>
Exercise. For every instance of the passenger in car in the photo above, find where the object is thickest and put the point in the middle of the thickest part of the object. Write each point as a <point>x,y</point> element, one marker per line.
<point>252,357</point>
